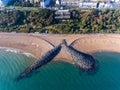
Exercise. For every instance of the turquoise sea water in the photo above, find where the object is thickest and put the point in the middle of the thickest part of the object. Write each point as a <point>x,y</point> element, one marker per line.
<point>59,75</point>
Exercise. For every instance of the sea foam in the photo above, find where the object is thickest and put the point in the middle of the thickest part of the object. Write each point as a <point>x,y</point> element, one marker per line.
<point>16,51</point>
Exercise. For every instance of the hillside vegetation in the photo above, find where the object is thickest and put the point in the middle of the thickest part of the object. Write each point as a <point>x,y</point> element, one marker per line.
<point>41,20</point>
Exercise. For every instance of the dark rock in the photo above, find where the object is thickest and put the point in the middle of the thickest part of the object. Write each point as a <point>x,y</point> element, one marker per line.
<point>83,60</point>
<point>43,60</point>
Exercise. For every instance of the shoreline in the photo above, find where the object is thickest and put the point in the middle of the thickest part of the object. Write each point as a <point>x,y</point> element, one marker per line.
<point>38,44</point>
<point>8,49</point>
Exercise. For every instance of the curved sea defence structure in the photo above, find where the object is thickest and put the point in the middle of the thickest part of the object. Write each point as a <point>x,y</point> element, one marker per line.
<point>42,61</point>
<point>83,60</point>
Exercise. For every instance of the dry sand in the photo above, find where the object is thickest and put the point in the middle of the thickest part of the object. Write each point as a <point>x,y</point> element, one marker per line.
<point>38,44</point>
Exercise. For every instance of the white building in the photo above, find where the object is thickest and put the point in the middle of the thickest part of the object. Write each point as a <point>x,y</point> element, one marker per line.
<point>105,5</point>
<point>116,5</point>
<point>1,4</point>
<point>58,2</point>
<point>88,5</point>
<point>62,14</point>
<point>42,4</point>
<point>117,0</point>
<point>70,2</point>
<point>31,1</point>
<point>101,5</point>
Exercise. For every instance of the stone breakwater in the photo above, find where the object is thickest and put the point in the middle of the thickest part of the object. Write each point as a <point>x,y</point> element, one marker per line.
<point>39,44</point>
<point>83,60</point>
<point>47,57</point>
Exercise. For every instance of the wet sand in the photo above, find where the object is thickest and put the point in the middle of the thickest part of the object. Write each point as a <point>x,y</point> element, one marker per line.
<point>38,44</point>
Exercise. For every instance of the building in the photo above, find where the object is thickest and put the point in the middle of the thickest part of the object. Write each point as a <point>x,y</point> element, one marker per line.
<point>99,0</point>
<point>115,1</point>
<point>58,2</point>
<point>62,14</point>
<point>103,5</point>
<point>116,5</point>
<point>70,2</point>
<point>1,4</point>
<point>88,5</point>
<point>31,1</point>
<point>99,5</point>
<point>42,4</point>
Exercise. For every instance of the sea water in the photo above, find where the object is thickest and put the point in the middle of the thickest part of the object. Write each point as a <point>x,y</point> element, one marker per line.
<point>59,75</point>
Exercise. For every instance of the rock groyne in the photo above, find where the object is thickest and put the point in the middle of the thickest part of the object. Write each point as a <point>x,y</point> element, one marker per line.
<point>83,60</point>
<point>47,57</point>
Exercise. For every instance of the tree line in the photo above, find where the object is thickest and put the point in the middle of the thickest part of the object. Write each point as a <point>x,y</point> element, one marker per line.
<point>82,21</point>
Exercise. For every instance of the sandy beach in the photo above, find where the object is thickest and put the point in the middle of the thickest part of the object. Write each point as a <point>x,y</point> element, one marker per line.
<point>38,44</point>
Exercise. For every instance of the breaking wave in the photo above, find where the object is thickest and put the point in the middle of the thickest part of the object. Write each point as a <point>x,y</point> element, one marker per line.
<point>16,51</point>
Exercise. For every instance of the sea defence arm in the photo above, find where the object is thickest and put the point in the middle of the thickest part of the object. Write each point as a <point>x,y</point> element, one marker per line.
<point>83,60</point>
<point>42,61</point>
